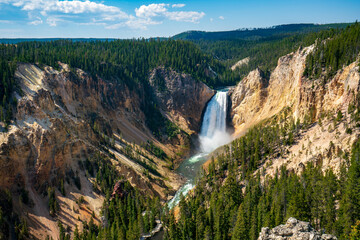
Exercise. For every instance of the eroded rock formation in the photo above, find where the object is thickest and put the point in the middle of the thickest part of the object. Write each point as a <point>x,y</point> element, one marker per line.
<point>182,98</point>
<point>293,230</point>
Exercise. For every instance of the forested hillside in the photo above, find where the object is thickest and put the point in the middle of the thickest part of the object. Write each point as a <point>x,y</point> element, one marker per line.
<point>262,46</point>
<point>257,33</point>
<point>127,61</point>
<point>234,200</point>
<point>334,52</point>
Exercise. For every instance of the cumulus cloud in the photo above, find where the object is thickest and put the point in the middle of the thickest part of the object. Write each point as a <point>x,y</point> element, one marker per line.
<point>158,10</point>
<point>221,18</point>
<point>151,10</point>
<point>75,7</point>
<point>111,17</point>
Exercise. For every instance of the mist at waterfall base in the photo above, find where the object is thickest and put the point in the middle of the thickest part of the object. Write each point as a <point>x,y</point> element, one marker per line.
<point>212,135</point>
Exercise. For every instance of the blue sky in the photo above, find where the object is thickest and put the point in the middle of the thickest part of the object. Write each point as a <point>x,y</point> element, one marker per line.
<point>133,19</point>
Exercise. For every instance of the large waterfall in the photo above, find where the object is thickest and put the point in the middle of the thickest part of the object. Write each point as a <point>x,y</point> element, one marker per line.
<point>213,129</point>
<point>212,135</point>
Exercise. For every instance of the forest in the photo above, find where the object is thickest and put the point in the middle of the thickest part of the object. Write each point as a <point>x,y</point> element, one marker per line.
<point>263,46</point>
<point>333,53</point>
<point>234,199</point>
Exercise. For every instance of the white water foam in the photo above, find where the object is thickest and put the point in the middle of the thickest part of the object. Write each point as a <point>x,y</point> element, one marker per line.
<point>213,130</point>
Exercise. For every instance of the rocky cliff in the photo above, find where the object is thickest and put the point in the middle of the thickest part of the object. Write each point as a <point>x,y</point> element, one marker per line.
<point>294,230</point>
<point>65,117</point>
<point>180,97</point>
<point>256,99</point>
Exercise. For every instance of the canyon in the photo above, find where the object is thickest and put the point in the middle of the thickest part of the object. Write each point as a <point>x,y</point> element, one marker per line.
<point>66,116</point>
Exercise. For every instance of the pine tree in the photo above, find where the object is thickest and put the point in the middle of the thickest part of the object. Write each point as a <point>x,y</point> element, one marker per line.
<point>351,200</point>
<point>241,229</point>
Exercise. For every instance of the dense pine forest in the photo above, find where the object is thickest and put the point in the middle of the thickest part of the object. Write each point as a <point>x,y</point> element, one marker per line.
<point>334,52</point>
<point>234,199</point>
<point>262,46</point>
<point>126,61</point>
<point>128,213</point>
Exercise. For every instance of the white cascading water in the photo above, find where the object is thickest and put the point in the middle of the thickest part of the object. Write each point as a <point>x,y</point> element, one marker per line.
<point>213,129</point>
<point>212,135</point>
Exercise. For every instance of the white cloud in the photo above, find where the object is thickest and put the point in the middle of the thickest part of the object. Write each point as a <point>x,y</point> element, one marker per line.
<point>37,21</point>
<point>182,16</point>
<point>111,17</point>
<point>221,18</point>
<point>152,10</point>
<point>156,10</point>
<point>75,7</point>
<point>211,19</point>
<point>179,5</point>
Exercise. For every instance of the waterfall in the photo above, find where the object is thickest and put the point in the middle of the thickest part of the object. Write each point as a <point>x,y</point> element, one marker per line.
<point>213,130</point>
<point>212,135</point>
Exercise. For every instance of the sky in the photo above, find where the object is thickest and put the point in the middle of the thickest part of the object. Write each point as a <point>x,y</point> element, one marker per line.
<point>135,19</point>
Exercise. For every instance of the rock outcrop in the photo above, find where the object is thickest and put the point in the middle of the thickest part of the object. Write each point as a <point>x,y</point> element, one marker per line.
<point>248,98</point>
<point>293,230</point>
<point>256,99</point>
<point>180,97</point>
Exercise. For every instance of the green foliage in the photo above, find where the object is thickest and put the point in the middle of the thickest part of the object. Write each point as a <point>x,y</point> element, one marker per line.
<point>262,46</point>
<point>158,152</point>
<point>62,188</point>
<point>258,33</point>
<point>62,232</point>
<point>127,217</point>
<point>339,116</point>
<point>333,50</point>
<point>355,231</point>
<point>350,202</point>
<point>53,204</point>
<point>125,61</point>
<point>222,209</point>
<point>7,84</point>
<point>22,230</point>
<point>249,151</point>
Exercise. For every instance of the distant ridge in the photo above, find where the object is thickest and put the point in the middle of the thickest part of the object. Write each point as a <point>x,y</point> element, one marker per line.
<point>258,33</point>
<point>17,40</point>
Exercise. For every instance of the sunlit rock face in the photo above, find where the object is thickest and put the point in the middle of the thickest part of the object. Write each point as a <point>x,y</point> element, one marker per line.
<point>257,99</point>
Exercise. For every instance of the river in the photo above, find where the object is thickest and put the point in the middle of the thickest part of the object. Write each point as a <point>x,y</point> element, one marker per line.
<point>212,135</point>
